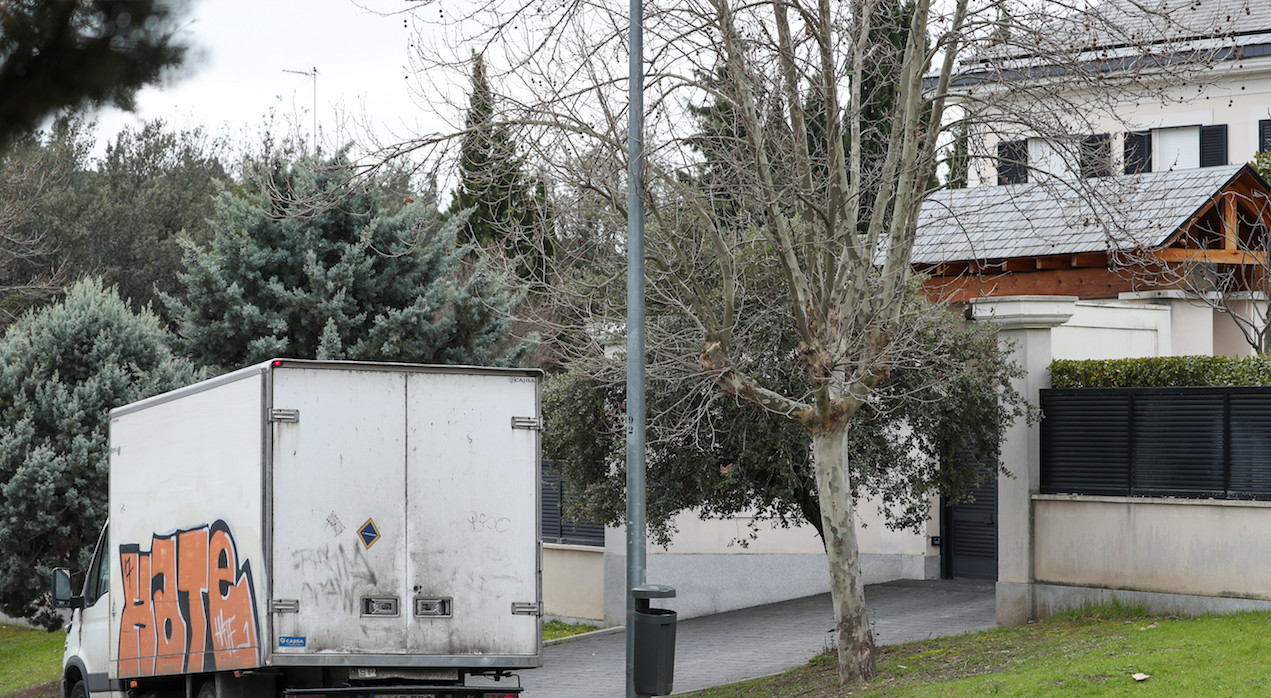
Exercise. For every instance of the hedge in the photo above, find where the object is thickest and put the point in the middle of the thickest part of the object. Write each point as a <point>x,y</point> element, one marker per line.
<point>1162,372</point>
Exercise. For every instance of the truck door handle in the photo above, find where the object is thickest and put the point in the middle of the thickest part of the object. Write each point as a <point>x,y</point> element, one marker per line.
<point>433,608</point>
<point>379,606</point>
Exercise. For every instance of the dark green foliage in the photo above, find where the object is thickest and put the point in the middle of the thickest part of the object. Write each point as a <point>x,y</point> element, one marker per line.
<point>1262,163</point>
<point>125,217</point>
<point>119,218</point>
<point>508,209</point>
<point>1161,372</point>
<point>61,370</point>
<point>64,54</point>
<point>317,264</point>
<point>929,424</point>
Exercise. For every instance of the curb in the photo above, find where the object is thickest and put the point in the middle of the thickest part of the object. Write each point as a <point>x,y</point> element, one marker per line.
<point>581,636</point>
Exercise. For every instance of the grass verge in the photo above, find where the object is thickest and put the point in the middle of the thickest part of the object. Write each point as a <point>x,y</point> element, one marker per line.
<point>1095,652</point>
<point>555,629</point>
<point>30,660</point>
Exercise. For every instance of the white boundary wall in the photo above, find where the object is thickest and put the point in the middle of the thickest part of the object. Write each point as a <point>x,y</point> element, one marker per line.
<point>1058,552</point>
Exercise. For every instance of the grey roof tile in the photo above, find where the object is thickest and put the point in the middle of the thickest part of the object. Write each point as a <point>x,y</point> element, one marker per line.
<point>1062,217</point>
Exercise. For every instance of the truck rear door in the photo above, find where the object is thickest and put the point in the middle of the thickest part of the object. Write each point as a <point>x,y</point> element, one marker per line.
<point>405,516</point>
<point>339,497</point>
<point>472,506</point>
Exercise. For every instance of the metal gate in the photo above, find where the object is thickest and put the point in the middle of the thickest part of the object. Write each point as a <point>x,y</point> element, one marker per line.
<point>969,546</point>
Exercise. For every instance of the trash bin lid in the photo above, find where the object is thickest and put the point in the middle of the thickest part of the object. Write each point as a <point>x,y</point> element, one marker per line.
<point>653,591</point>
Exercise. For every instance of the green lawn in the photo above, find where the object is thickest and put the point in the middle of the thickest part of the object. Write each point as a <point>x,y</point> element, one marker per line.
<point>1091,655</point>
<point>29,658</point>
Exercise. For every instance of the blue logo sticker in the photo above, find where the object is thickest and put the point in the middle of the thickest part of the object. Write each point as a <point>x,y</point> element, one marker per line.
<point>368,533</point>
<point>285,641</point>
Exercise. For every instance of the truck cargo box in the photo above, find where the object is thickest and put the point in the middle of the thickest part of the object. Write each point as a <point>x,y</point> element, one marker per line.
<point>322,514</point>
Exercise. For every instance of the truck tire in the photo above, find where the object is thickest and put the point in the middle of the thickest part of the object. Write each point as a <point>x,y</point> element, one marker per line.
<point>209,689</point>
<point>79,690</point>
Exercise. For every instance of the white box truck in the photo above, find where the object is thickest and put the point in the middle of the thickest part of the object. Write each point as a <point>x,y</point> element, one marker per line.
<point>309,528</point>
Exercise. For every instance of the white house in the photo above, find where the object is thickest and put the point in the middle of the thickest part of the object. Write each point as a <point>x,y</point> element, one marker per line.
<point>1024,254</point>
<point>1090,244</point>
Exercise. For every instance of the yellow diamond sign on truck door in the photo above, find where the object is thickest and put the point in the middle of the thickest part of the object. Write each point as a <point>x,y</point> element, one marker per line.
<point>368,533</point>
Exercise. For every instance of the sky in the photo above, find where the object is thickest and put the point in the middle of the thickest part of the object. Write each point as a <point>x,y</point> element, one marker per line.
<point>242,48</point>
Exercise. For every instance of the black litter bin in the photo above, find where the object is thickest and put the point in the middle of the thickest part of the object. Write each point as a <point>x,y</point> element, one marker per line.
<point>654,638</point>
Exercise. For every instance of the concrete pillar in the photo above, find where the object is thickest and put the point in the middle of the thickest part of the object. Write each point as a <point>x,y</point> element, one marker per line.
<point>1026,323</point>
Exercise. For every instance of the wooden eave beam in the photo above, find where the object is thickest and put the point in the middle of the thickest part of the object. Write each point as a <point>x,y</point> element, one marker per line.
<point>1175,255</point>
<point>1090,259</point>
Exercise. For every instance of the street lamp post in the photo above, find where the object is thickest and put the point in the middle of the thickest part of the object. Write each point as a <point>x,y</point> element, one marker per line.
<point>635,332</point>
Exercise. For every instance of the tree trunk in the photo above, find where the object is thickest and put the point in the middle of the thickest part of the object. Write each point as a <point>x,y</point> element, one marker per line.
<point>838,521</point>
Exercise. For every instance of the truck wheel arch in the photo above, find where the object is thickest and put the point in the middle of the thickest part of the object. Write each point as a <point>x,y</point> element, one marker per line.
<point>73,673</point>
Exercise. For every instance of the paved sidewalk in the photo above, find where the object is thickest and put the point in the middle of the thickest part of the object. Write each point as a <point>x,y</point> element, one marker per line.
<point>764,640</point>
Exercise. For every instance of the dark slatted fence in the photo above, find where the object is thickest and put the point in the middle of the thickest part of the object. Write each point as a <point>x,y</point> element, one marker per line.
<point>558,527</point>
<point>1157,442</point>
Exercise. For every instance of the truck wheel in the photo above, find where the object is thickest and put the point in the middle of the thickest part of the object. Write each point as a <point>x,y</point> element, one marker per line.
<point>208,690</point>
<point>78,690</point>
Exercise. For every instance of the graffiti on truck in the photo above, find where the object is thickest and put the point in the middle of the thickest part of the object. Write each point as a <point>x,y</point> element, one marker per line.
<point>189,604</point>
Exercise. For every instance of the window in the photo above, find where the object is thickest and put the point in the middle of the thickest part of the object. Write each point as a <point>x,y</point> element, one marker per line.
<point>1176,148</point>
<point>1096,155</point>
<point>556,525</point>
<point>1264,135</point>
<point>1138,152</point>
<point>1012,162</point>
<point>1213,145</point>
<point>98,579</point>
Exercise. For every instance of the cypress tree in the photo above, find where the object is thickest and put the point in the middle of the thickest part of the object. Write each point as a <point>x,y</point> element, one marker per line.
<point>508,209</point>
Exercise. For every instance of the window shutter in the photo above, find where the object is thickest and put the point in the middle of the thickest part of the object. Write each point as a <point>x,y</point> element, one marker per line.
<point>1213,145</point>
<point>1138,152</point>
<point>1264,135</point>
<point>1012,162</point>
<point>557,525</point>
<point>550,514</point>
<point>1096,155</point>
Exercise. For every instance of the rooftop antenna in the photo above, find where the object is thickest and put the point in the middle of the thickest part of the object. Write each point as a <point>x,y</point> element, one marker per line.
<point>313,73</point>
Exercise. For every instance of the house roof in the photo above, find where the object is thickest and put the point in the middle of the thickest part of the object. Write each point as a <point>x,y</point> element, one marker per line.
<point>1120,34</point>
<point>1063,217</point>
<point>1138,22</point>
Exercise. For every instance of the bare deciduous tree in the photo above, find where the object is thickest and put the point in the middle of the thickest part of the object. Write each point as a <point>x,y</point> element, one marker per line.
<point>790,141</point>
<point>30,269</point>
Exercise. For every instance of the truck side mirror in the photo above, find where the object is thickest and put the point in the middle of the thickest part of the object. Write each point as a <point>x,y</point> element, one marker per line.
<point>62,595</point>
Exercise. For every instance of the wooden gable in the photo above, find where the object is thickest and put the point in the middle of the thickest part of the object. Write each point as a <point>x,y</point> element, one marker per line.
<point>1229,229</point>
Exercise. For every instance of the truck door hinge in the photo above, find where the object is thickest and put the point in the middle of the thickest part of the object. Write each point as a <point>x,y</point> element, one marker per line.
<point>284,415</point>
<point>284,606</point>
<point>526,423</point>
<point>526,608</point>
